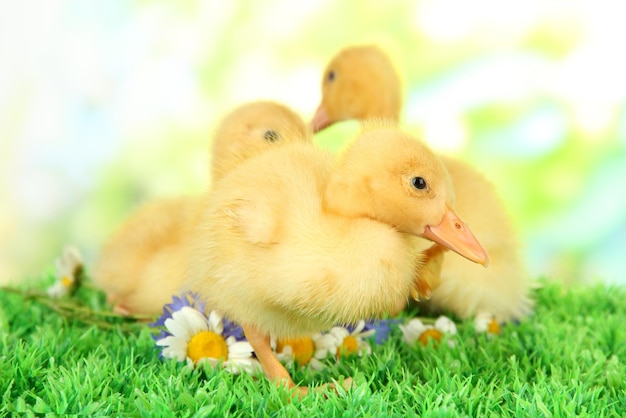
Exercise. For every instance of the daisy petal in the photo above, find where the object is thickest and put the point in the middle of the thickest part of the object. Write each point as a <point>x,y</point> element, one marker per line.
<point>364,348</point>
<point>316,365</point>
<point>247,365</point>
<point>412,330</point>
<point>195,321</point>
<point>215,322</point>
<point>339,333</point>
<point>177,328</point>
<point>482,321</point>
<point>325,340</point>
<point>240,349</point>
<point>167,341</point>
<point>445,325</point>
<point>358,327</point>
<point>171,352</point>
<point>367,334</point>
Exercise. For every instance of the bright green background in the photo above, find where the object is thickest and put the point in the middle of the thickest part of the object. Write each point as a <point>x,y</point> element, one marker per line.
<point>107,104</point>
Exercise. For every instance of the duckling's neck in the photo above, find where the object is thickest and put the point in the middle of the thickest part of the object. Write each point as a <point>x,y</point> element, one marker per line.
<point>388,110</point>
<point>387,101</point>
<point>392,86</point>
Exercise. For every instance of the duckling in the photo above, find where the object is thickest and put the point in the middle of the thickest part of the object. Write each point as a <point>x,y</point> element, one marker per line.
<point>142,265</point>
<point>373,84</point>
<point>361,83</point>
<point>295,241</point>
<point>251,129</point>
<point>138,266</point>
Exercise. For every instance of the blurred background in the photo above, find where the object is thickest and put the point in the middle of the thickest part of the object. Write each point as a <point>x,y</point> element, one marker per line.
<point>106,104</point>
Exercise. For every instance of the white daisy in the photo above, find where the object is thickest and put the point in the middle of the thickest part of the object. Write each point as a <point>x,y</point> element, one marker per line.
<point>337,342</point>
<point>485,322</point>
<point>412,330</point>
<point>416,330</point>
<point>445,325</point>
<point>350,340</point>
<point>326,345</point>
<point>68,266</point>
<point>199,340</point>
<point>301,350</point>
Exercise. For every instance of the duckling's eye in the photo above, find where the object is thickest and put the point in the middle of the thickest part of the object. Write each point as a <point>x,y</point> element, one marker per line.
<point>330,76</point>
<point>270,136</point>
<point>419,183</point>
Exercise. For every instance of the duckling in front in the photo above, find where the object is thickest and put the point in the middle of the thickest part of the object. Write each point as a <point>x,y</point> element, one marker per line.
<point>295,241</point>
<point>360,82</point>
<point>143,264</point>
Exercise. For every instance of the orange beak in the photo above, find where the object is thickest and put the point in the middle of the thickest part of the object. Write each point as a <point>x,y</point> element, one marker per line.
<point>454,234</point>
<point>320,120</point>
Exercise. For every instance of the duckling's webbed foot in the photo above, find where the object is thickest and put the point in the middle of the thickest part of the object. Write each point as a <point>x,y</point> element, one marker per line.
<point>117,306</point>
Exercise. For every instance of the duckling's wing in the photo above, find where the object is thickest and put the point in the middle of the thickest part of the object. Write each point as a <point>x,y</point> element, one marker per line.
<point>257,220</point>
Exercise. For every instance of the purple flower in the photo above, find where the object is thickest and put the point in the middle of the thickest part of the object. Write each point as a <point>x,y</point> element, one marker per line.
<point>162,334</point>
<point>232,329</point>
<point>383,328</point>
<point>192,300</point>
<point>178,302</point>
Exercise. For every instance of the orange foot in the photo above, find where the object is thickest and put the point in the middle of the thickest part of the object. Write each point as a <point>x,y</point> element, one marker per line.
<point>122,310</point>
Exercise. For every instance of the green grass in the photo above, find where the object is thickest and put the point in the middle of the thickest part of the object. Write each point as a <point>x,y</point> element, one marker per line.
<point>569,359</point>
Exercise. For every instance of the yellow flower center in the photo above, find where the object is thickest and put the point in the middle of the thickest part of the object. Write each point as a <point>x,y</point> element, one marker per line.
<point>493,327</point>
<point>66,281</point>
<point>350,345</point>
<point>302,349</point>
<point>207,344</point>
<point>428,334</point>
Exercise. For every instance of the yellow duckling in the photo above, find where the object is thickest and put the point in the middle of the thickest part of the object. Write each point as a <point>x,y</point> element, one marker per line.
<point>142,265</point>
<point>251,129</point>
<point>295,241</point>
<point>361,83</point>
<point>374,90</point>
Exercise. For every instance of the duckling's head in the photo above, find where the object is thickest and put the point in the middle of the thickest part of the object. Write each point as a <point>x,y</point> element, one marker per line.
<point>388,176</point>
<point>359,83</point>
<point>251,129</point>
